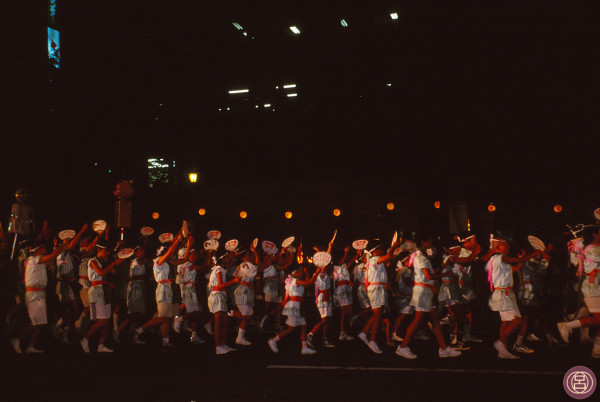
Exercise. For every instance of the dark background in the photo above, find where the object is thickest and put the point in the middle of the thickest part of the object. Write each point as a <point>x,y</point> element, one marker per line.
<point>487,104</point>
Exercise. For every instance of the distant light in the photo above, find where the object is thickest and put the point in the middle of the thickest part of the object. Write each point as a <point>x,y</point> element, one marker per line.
<point>155,215</point>
<point>161,104</point>
<point>220,109</point>
<point>193,177</point>
<point>228,108</point>
<point>291,95</point>
<point>239,91</point>
<point>245,33</point>
<point>238,26</point>
<point>557,208</point>
<point>344,23</point>
<point>202,212</point>
<point>390,206</point>
<point>243,214</point>
<point>256,106</point>
<point>437,204</point>
<point>389,84</point>
<point>267,105</point>
<point>491,207</point>
<point>336,212</point>
<point>290,86</point>
<point>276,86</point>
<point>295,30</point>
<point>109,171</point>
<point>288,215</point>
<point>394,16</point>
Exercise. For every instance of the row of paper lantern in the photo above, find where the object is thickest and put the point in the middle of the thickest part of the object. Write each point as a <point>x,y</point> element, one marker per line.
<point>337,212</point>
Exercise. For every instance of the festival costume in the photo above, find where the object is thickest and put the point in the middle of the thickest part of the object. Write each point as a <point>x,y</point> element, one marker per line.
<point>449,293</point>
<point>136,302</point>
<point>272,285</point>
<point>422,296</point>
<point>99,294</point>
<point>294,296</point>
<point>361,290</point>
<point>343,286</point>
<point>167,305</point>
<point>376,283</point>
<point>591,282</point>
<point>502,298</point>
<point>402,301</point>
<point>465,277</point>
<point>36,279</point>
<point>244,294</point>
<point>188,287</point>
<point>323,295</point>
<point>65,274</point>
<point>217,299</point>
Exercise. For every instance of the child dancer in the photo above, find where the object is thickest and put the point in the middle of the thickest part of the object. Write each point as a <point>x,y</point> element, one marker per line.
<point>422,300</point>
<point>343,294</point>
<point>590,289</point>
<point>324,305</point>
<point>376,285</point>
<point>136,299</point>
<point>244,295</point>
<point>503,298</point>
<point>294,295</point>
<point>405,280</point>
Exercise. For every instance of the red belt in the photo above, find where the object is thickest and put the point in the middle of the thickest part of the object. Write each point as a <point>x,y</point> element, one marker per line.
<point>426,285</point>
<point>447,281</point>
<point>247,284</point>
<point>324,292</point>
<point>342,283</point>
<point>376,283</point>
<point>592,275</point>
<point>136,278</point>
<point>165,281</point>
<point>296,298</point>
<point>32,289</point>
<point>506,290</point>
<point>98,283</point>
<point>218,289</point>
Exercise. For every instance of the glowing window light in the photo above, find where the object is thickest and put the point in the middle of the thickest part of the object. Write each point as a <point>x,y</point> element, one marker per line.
<point>238,26</point>
<point>295,30</point>
<point>243,214</point>
<point>155,215</point>
<point>390,206</point>
<point>202,212</point>
<point>337,212</point>
<point>289,86</point>
<point>239,91</point>
<point>193,177</point>
<point>394,16</point>
<point>288,215</point>
<point>344,23</point>
<point>292,95</point>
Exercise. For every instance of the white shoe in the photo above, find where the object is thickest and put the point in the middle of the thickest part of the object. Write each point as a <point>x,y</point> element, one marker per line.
<point>345,337</point>
<point>502,352</point>
<point>448,352</point>
<point>522,349</point>
<point>532,338</point>
<point>309,339</point>
<point>104,349</point>
<point>363,337</point>
<point>221,350</point>
<point>85,345</point>
<point>242,341</point>
<point>208,328</point>
<point>273,345</point>
<point>230,349</point>
<point>16,345</point>
<point>374,347</point>
<point>308,351</point>
<point>397,338</point>
<point>564,331</point>
<point>406,353</point>
<point>32,349</point>
<point>177,323</point>
<point>195,339</point>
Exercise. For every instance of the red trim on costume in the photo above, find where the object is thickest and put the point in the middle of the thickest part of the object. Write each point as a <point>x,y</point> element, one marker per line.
<point>426,285</point>
<point>33,289</point>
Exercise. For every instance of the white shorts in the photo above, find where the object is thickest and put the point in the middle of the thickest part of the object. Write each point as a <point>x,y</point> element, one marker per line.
<point>509,315</point>
<point>593,304</point>
<point>377,296</point>
<point>245,309</point>
<point>100,311</point>
<point>422,298</point>
<point>326,310</point>
<point>37,312</point>
<point>295,320</point>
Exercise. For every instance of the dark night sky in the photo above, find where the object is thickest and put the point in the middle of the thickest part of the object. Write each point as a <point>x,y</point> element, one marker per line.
<point>486,104</point>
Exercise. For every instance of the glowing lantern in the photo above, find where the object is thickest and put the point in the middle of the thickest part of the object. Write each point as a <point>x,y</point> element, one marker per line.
<point>437,204</point>
<point>201,211</point>
<point>288,215</point>
<point>155,215</point>
<point>243,214</point>
<point>557,208</point>
<point>390,206</point>
<point>193,177</point>
<point>336,212</point>
<point>491,207</point>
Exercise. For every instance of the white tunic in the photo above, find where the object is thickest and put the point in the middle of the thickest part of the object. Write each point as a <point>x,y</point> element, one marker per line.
<point>164,291</point>
<point>36,276</point>
<point>343,293</point>
<point>591,267</point>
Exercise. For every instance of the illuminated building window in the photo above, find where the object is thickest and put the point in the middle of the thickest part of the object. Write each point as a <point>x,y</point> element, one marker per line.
<point>158,172</point>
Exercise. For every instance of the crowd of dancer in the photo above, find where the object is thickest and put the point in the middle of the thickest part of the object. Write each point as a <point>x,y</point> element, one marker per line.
<point>113,291</point>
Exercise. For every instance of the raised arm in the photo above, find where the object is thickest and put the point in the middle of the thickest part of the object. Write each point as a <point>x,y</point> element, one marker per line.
<point>109,268</point>
<point>48,259</point>
<point>304,282</point>
<point>387,257</point>
<point>75,241</point>
<point>172,247</point>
